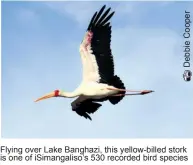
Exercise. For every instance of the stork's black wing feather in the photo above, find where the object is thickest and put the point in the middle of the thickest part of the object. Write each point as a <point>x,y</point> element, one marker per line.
<point>100,43</point>
<point>98,16</point>
<point>86,107</point>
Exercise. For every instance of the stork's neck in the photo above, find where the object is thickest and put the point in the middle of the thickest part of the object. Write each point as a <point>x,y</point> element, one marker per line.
<point>70,94</point>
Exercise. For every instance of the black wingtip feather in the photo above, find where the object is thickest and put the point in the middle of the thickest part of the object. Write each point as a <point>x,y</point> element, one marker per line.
<point>98,15</point>
<point>87,116</point>
<point>107,19</point>
<point>103,16</point>
<point>92,19</point>
<point>100,18</point>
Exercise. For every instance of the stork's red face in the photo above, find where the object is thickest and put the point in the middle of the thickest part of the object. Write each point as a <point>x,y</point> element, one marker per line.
<point>52,94</point>
<point>56,93</point>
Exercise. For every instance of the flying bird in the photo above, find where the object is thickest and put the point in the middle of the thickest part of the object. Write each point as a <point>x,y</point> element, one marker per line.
<point>99,82</point>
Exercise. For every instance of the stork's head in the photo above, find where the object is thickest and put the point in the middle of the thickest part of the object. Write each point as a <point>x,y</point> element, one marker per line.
<point>55,93</point>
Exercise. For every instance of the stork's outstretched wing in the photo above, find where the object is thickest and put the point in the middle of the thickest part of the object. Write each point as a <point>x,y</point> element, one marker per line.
<point>85,108</point>
<point>95,48</point>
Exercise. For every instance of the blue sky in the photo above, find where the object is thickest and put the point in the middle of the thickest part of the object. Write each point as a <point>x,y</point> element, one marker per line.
<point>40,42</point>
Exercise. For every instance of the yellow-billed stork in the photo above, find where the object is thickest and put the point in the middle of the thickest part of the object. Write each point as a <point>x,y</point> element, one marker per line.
<point>99,81</point>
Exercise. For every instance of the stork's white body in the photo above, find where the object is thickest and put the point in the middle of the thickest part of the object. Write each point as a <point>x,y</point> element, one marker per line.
<point>95,90</point>
<point>92,90</point>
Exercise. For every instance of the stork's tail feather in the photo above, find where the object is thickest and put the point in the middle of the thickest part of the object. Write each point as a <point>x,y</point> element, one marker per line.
<point>116,82</point>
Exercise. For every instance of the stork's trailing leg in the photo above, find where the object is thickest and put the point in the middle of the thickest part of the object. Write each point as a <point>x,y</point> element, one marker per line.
<point>143,92</point>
